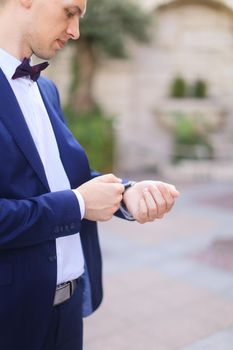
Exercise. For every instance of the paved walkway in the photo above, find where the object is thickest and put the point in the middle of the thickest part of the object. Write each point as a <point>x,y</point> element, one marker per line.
<point>169,284</point>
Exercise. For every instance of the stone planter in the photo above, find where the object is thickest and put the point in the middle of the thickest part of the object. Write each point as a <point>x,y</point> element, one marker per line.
<point>190,122</point>
<point>206,113</point>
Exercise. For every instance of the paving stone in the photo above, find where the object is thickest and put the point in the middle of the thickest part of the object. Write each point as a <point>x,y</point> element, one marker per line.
<point>222,340</point>
<point>219,254</point>
<point>168,285</point>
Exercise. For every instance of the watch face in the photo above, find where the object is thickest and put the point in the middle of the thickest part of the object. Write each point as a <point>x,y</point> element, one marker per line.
<point>127,184</point>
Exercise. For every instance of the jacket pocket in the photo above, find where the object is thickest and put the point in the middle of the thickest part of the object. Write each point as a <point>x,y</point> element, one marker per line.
<point>6,273</point>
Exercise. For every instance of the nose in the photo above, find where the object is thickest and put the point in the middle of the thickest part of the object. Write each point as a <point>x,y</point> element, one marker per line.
<point>73,28</point>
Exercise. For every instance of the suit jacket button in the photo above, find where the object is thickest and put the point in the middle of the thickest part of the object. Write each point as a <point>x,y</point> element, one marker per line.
<point>56,230</point>
<point>52,258</point>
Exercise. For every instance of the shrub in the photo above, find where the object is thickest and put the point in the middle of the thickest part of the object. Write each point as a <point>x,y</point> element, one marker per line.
<point>189,141</point>
<point>94,131</point>
<point>178,88</point>
<point>199,89</point>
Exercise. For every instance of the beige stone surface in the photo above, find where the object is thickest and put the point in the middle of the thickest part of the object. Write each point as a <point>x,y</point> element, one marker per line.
<point>158,295</point>
<point>143,307</point>
<point>189,38</point>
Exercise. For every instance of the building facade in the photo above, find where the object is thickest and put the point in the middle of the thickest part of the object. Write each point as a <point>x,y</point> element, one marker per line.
<point>191,39</point>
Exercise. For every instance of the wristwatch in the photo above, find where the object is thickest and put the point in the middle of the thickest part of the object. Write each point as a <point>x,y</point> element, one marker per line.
<point>127,183</point>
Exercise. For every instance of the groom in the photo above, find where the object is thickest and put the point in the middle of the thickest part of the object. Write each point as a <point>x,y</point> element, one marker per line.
<point>50,200</point>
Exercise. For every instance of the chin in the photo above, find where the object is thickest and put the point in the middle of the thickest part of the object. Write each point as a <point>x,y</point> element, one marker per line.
<point>45,55</point>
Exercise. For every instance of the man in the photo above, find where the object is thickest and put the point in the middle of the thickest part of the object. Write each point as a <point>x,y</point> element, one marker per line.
<point>50,262</point>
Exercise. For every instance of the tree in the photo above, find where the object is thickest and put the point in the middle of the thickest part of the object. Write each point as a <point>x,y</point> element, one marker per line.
<point>104,30</point>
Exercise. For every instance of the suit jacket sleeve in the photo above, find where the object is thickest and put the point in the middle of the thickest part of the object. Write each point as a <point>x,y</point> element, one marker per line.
<point>31,221</point>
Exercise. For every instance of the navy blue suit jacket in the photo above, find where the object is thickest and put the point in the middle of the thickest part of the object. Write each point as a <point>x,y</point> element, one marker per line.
<point>32,217</point>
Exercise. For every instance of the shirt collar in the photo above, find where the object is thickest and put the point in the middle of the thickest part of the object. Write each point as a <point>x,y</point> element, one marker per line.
<point>8,63</point>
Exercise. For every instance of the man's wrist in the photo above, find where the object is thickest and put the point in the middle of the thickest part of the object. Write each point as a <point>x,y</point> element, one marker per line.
<point>81,202</point>
<point>127,184</point>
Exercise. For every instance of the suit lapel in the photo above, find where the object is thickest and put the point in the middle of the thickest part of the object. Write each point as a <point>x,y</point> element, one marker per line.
<point>56,124</point>
<point>11,115</point>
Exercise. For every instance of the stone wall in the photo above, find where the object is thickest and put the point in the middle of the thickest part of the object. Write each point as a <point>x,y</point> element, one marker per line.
<point>190,38</point>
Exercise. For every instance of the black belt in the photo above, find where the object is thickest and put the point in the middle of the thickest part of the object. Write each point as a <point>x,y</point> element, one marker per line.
<point>64,291</point>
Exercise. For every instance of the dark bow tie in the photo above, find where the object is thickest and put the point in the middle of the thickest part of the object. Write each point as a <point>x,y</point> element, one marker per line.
<point>24,69</point>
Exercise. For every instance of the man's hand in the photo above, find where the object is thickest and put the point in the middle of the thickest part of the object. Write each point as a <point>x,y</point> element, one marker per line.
<point>150,200</point>
<point>102,197</point>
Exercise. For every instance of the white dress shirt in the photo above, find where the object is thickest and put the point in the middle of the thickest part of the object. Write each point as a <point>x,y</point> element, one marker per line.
<point>70,260</point>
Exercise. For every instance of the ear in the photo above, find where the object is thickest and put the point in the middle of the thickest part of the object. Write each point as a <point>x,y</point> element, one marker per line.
<point>26,3</point>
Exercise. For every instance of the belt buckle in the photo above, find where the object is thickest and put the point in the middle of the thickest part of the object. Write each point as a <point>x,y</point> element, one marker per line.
<point>62,285</point>
<point>62,293</point>
<point>73,285</point>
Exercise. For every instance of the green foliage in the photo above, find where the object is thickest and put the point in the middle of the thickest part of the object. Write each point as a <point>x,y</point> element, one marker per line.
<point>94,132</point>
<point>200,89</point>
<point>186,132</point>
<point>105,29</point>
<point>190,142</point>
<point>108,23</point>
<point>178,88</point>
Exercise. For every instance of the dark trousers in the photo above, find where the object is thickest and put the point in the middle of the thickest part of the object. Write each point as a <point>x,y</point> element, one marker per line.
<point>66,327</point>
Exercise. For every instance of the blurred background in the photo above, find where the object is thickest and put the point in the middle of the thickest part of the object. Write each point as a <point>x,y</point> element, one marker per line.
<point>148,92</point>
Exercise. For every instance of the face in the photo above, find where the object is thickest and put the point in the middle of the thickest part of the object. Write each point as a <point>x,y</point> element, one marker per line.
<point>52,24</point>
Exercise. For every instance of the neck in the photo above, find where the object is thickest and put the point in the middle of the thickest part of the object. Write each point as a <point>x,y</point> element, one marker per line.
<point>17,51</point>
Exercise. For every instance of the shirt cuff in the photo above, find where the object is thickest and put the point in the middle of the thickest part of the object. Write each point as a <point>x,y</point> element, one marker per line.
<point>81,202</point>
<point>126,213</point>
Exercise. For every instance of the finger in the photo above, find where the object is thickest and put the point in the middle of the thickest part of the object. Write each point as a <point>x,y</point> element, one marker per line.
<point>152,211</point>
<point>119,188</point>
<point>169,199</point>
<point>142,212</point>
<point>173,190</point>
<point>159,200</point>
